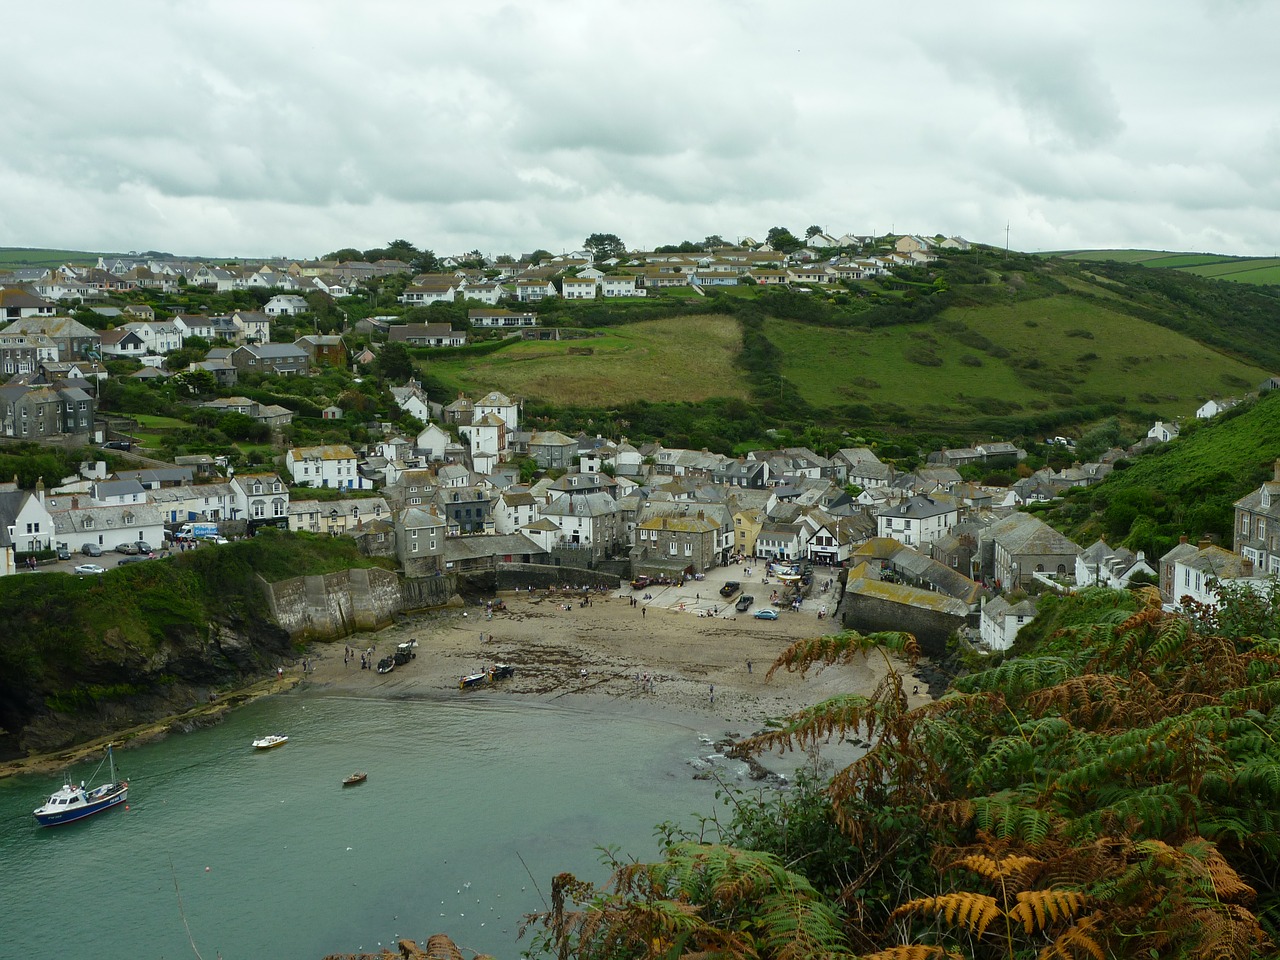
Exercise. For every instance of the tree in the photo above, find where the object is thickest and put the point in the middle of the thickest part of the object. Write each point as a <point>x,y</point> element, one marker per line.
<point>538,256</point>
<point>425,262</point>
<point>813,231</point>
<point>344,255</point>
<point>715,240</point>
<point>602,246</point>
<point>782,240</point>
<point>394,363</point>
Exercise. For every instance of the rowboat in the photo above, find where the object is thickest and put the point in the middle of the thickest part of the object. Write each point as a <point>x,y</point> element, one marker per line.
<point>355,778</point>
<point>269,741</point>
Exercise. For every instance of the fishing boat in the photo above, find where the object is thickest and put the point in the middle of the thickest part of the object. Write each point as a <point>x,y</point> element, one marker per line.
<point>473,680</point>
<point>75,803</point>
<point>269,741</point>
<point>355,778</point>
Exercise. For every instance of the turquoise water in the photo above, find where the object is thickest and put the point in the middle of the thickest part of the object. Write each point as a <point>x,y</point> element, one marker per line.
<point>273,858</point>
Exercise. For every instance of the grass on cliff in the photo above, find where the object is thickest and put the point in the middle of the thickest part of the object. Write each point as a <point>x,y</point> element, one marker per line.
<point>56,627</point>
<point>1036,355</point>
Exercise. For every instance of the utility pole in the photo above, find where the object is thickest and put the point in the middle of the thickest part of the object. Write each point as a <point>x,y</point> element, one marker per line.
<point>1006,239</point>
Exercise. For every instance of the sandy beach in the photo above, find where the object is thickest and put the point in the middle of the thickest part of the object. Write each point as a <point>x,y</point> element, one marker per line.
<point>683,653</point>
<point>669,654</point>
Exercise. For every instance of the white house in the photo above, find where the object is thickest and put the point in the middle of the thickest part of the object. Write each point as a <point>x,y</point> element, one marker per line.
<point>620,286</point>
<point>500,319</point>
<point>501,406</point>
<point>160,336</point>
<point>25,522</point>
<point>918,521</point>
<point>328,465</point>
<point>1108,566</point>
<point>1001,621</point>
<point>578,288</point>
<point>108,527</point>
<point>1211,408</point>
<point>1164,432</point>
<point>260,498</point>
<point>285,305</point>
<point>487,435</point>
<point>432,441</point>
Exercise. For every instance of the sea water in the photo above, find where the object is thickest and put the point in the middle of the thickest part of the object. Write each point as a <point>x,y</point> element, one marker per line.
<point>470,808</point>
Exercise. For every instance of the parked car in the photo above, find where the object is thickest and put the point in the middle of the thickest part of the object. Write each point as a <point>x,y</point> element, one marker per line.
<point>144,547</point>
<point>744,603</point>
<point>730,588</point>
<point>766,614</point>
<point>63,552</point>
<point>123,560</point>
<point>216,540</point>
<point>118,445</point>
<point>91,550</point>
<point>90,568</point>
<point>128,547</point>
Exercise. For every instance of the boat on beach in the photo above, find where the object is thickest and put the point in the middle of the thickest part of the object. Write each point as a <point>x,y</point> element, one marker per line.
<point>269,741</point>
<point>472,680</point>
<point>72,803</point>
<point>355,778</point>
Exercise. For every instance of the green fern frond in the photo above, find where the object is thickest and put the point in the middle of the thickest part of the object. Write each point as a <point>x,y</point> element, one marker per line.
<point>1018,678</point>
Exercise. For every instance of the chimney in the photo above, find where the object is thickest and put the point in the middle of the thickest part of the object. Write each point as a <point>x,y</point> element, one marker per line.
<point>1204,542</point>
<point>1182,539</point>
<point>75,503</point>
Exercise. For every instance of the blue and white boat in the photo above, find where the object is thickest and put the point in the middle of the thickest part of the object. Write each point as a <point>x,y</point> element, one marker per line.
<point>75,803</point>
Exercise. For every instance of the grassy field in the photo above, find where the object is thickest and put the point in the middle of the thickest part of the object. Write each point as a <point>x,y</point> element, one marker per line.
<point>685,358</point>
<point>12,257</point>
<point>1259,270</point>
<point>1062,352</point>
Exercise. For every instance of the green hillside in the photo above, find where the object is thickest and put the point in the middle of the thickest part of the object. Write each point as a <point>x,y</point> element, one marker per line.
<point>14,257</point>
<point>1185,488</point>
<point>1258,270</point>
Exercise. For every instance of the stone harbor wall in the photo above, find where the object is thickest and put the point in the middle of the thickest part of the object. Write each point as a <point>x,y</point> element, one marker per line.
<point>336,604</point>
<point>421,593</point>
<point>523,576</point>
<point>872,614</point>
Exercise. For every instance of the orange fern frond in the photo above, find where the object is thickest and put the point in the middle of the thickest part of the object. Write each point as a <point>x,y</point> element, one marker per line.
<point>973,911</point>
<point>914,952</point>
<point>993,869</point>
<point>843,648</point>
<point>1077,942</point>
<point>1037,909</point>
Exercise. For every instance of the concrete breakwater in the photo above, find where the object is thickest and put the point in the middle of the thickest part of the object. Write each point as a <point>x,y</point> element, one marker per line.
<point>360,599</point>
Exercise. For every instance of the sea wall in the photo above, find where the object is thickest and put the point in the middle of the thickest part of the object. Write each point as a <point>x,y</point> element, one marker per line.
<point>336,604</point>
<point>931,628</point>
<point>422,593</point>
<point>522,576</point>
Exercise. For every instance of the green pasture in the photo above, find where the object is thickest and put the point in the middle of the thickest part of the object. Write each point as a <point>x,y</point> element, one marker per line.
<point>1061,353</point>
<point>678,358</point>
<point>14,257</point>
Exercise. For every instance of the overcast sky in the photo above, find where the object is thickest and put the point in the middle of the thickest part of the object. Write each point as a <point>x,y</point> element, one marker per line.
<point>295,128</point>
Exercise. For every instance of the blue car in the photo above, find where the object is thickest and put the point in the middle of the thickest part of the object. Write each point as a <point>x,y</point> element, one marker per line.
<point>766,614</point>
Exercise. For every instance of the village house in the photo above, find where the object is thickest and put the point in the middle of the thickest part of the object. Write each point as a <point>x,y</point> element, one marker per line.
<point>552,450</point>
<point>253,326</point>
<point>420,536</point>
<point>336,518</point>
<point>918,521</point>
<point>1102,565</point>
<point>1257,525</point>
<point>286,305</point>
<point>1021,548</point>
<point>282,359</point>
<point>427,335</point>
<point>466,510</point>
<point>621,285</point>
<point>328,465</point>
<point>18,304</point>
<point>32,411</point>
<point>1001,621</point>
<point>323,351</point>
<point>74,340</point>
<point>588,521</point>
<point>501,319</point>
<point>578,288</point>
<point>261,500</point>
<point>422,294</point>
<point>674,544</point>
